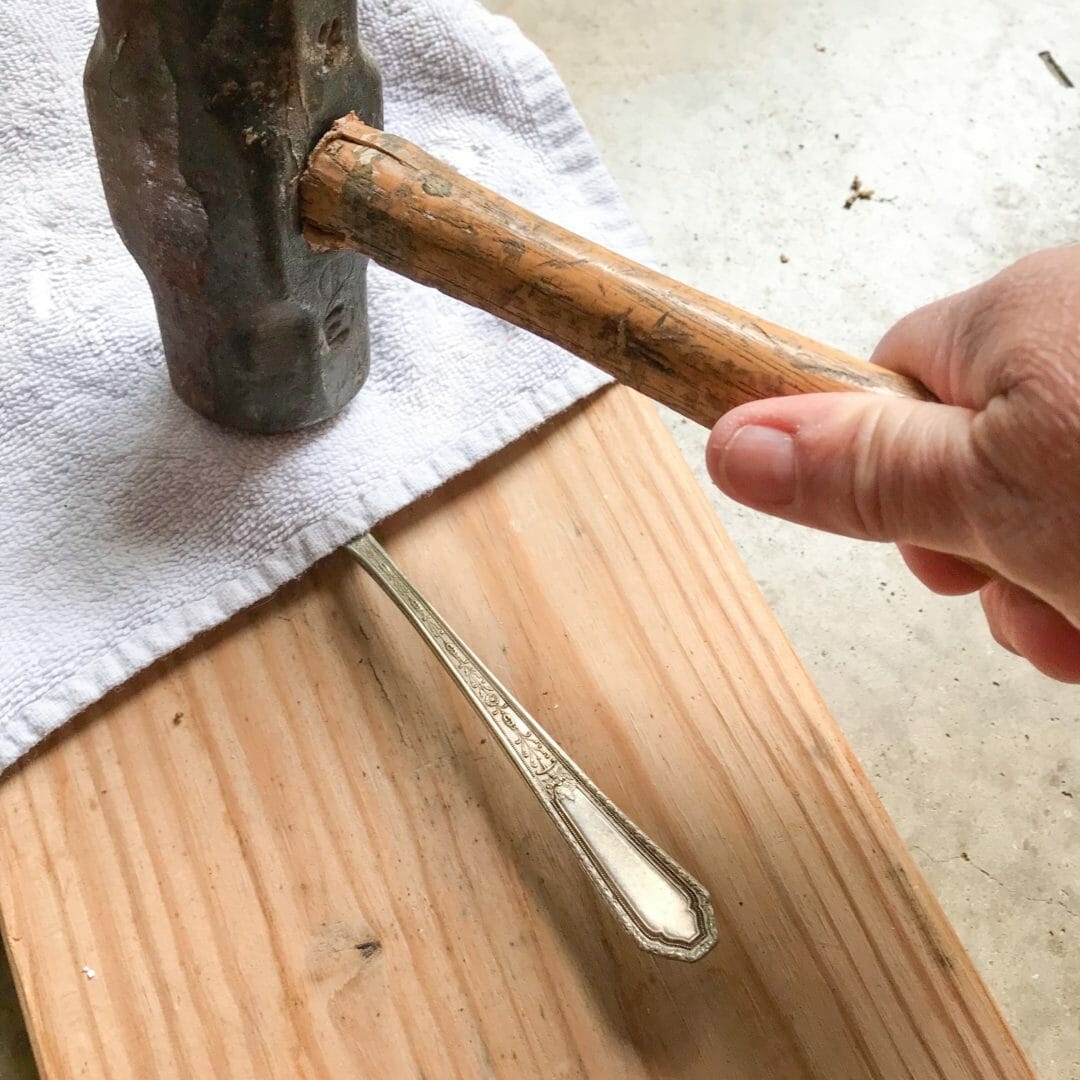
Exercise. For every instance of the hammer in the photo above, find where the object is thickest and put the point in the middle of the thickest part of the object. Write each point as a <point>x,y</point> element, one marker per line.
<point>252,214</point>
<point>250,209</point>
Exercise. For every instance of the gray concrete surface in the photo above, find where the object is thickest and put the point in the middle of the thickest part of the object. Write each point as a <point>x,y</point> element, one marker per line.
<point>734,128</point>
<point>16,1057</point>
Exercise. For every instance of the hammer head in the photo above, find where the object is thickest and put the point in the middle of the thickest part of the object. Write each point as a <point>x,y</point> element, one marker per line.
<point>203,114</point>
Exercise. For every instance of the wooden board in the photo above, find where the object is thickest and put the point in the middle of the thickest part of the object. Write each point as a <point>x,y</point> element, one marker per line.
<point>291,850</point>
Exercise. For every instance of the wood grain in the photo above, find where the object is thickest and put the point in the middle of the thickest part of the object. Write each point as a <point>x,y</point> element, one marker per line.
<point>378,194</point>
<point>291,851</point>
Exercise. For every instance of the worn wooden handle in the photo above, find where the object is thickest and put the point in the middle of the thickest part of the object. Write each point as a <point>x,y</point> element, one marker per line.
<point>376,193</point>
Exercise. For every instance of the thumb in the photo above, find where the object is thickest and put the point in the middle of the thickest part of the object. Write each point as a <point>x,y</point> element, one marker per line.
<point>864,465</point>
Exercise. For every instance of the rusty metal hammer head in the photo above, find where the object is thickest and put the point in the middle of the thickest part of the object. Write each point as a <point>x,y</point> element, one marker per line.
<point>203,113</point>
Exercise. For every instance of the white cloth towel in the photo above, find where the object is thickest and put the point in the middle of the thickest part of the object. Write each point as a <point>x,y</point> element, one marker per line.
<point>128,524</point>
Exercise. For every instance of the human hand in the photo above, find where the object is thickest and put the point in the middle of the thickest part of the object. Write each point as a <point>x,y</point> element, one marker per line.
<point>991,475</point>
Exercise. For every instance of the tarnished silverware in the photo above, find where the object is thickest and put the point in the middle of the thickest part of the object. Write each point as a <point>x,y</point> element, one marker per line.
<point>657,902</point>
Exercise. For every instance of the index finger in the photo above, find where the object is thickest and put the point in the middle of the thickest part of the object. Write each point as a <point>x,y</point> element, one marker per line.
<point>932,345</point>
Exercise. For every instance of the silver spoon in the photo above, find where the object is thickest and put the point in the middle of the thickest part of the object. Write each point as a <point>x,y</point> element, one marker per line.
<point>658,903</point>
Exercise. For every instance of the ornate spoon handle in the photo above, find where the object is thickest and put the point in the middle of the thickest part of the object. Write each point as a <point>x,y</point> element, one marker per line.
<point>658,903</point>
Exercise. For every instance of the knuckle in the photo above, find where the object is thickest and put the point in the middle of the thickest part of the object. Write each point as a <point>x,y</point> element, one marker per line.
<point>867,493</point>
<point>1027,320</point>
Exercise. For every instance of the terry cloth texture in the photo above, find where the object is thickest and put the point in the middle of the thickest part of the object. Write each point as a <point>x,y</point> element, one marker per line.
<point>128,524</point>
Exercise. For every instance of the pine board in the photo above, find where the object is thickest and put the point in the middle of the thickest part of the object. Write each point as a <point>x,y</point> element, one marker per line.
<point>290,850</point>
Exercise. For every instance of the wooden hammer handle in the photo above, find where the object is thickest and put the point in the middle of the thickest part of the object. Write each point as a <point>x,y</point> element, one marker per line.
<point>380,195</point>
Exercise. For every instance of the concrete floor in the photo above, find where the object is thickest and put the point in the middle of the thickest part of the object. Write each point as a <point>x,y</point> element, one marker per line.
<point>734,129</point>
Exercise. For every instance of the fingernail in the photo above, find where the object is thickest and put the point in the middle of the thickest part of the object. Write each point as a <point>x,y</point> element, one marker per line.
<point>758,466</point>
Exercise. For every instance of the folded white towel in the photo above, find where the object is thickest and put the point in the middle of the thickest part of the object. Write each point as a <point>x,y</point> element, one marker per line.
<point>128,523</point>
